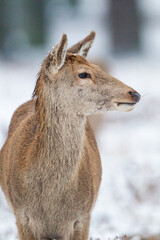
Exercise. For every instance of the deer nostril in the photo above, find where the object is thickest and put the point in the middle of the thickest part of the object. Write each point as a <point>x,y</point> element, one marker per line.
<point>135,96</point>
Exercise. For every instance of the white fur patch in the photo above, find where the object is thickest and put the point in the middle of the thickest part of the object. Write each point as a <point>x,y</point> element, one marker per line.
<point>63,57</point>
<point>85,48</point>
<point>124,107</point>
<point>54,68</point>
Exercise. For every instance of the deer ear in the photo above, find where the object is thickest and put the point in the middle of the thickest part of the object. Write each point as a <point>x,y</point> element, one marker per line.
<point>82,47</point>
<point>56,58</point>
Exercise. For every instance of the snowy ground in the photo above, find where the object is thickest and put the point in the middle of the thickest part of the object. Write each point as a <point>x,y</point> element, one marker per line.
<point>129,144</point>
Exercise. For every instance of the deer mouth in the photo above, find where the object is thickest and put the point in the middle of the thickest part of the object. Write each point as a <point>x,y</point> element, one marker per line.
<point>125,106</point>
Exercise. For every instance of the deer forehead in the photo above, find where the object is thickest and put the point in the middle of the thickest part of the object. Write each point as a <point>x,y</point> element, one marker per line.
<point>76,59</point>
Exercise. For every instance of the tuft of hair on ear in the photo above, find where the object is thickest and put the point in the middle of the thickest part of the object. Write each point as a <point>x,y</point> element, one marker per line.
<point>56,58</point>
<point>82,47</point>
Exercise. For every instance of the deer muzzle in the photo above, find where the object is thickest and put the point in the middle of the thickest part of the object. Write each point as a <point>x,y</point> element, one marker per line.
<point>128,105</point>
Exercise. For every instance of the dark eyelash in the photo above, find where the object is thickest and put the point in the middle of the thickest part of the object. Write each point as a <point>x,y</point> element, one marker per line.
<point>84,75</point>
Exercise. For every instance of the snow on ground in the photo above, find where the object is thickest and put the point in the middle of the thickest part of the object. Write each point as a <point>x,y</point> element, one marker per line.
<point>129,144</point>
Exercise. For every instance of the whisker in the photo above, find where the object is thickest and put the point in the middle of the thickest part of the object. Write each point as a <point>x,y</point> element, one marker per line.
<point>145,94</point>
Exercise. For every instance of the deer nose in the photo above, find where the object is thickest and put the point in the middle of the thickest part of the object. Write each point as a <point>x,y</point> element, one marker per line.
<point>135,96</point>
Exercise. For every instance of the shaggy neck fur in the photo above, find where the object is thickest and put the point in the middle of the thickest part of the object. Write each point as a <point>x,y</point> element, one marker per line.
<point>63,134</point>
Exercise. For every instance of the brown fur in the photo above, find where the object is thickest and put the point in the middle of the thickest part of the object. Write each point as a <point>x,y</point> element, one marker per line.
<point>50,169</point>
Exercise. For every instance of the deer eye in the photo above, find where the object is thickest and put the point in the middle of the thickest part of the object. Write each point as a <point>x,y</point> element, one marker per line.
<point>84,75</point>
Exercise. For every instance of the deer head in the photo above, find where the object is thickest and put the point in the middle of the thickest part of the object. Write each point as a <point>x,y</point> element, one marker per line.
<point>81,87</point>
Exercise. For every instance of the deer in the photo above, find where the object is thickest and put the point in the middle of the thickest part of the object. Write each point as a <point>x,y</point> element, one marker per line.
<point>50,167</point>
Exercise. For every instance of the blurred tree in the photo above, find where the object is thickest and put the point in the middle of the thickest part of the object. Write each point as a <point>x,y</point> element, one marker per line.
<point>35,21</point>
<point>3,26</point>
<point>21,22</point>
<point>73,2</point>
<point>124,25</point>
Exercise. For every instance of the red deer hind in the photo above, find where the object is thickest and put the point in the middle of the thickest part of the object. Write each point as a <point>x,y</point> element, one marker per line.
<point>50,169</point>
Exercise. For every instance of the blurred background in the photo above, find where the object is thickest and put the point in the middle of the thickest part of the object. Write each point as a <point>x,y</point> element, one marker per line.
<point>127,46</point>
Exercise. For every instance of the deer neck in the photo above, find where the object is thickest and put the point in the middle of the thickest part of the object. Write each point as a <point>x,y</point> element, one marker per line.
<point>62,133</point>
